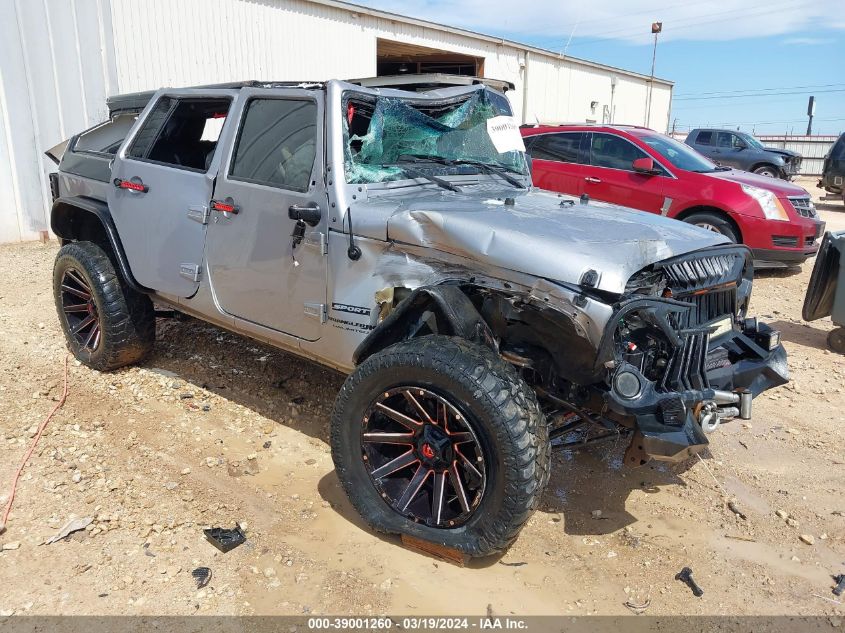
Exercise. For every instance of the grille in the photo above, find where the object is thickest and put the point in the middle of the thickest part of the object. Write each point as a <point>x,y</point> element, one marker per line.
<point>785,240</point>
<point>689,274</point>
<point>710,306</point>
<point>686,369</point>
<point>54,185</point>
<point>804,206</point>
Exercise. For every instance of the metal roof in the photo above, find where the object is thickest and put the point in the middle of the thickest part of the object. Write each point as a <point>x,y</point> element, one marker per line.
<point>396,17</point>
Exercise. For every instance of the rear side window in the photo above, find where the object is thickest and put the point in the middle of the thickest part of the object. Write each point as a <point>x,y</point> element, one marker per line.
<point>277,143</point>
<point>563,147</point>
<point>181,132</point>
<point>705,138</point>
<point>614,152</point>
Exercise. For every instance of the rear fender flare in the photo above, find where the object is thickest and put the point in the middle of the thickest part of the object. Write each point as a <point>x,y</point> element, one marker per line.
<point>70,214</point>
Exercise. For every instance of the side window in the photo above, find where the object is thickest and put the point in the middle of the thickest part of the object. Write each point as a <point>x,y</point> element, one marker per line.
<point>614,152</point>
<point>277,143</point>
<point>181,132</point>
<point>724,139</point>
<point>705,138</point>
<point>563,147</point>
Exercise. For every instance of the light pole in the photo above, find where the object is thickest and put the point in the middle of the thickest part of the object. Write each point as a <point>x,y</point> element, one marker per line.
<point>656,27</point>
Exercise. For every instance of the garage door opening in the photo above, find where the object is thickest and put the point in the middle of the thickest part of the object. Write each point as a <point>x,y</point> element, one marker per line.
<point>397,58</point>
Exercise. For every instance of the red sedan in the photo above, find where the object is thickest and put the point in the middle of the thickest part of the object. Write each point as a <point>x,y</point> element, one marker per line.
<point>640,168</point>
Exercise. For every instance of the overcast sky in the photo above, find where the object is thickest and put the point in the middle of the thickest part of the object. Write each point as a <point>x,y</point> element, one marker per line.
<point>740,63</point>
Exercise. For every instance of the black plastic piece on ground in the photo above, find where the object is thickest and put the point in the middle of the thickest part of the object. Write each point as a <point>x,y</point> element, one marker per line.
<point>839,589</point>
<point>225,539</point>
<point>685,576</point>
<point>202,576</point>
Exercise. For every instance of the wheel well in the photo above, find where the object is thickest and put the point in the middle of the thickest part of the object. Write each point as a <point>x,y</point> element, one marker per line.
<point>528,335</point>
<point>683,215</point>
<point>764,164</point>
<point>78,219</point>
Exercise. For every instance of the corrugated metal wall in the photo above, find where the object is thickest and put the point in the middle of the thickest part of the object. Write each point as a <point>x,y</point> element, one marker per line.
<point>54,78</point>
<point>59,59</point>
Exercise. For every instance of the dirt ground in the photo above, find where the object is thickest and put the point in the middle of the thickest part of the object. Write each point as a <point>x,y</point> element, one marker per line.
<point>215,428</point>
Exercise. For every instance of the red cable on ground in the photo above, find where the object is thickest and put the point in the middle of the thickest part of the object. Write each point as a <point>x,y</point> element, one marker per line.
<point>29,454</point>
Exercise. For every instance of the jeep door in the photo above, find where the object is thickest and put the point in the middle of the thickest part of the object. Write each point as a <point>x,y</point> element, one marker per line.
<point>162,181</point>
<point>259,272</point>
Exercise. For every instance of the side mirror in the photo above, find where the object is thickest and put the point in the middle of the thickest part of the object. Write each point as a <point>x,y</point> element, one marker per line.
<point>645,165</point>
<point>308,213</point>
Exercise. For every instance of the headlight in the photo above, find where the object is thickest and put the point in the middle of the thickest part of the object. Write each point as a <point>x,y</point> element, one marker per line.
<point>771,206</point>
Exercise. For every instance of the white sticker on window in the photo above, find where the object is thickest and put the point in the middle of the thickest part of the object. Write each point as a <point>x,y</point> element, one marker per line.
<point>504,132</point>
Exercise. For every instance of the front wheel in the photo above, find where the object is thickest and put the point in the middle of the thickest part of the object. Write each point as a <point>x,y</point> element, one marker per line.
<point>770,171</point>
<point>440,439</point>
<point>715,223</point>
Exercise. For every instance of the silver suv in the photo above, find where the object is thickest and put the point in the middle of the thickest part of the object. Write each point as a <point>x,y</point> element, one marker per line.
<point>394,235</point>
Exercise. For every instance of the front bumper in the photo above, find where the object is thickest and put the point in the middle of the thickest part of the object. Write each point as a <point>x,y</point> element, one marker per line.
<point>668,424</point>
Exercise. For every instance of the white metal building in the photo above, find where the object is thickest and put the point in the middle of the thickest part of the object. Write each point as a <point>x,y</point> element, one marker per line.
<point>60,59</point>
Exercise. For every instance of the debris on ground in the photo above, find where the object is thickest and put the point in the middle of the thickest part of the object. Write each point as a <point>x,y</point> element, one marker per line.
<point>809,539</point>
<point>225,539</point>
<point>685,576</point>
<point>638,607</point>
<point>839,589</point>
<point>202,576</point>
<point>74,525</point>
<point>732,505</point>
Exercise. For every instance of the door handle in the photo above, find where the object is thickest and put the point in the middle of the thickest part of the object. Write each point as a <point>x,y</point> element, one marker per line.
<point>309,213</point>
<point>225,206</point>
<point>592,180</point>
<point>135,185</point>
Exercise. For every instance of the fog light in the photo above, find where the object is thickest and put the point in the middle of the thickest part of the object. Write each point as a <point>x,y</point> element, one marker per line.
<point>627,384</point>
<point>770,340</point>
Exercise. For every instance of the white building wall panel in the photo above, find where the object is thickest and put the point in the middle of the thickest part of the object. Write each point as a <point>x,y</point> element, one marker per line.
<point>52,84</point>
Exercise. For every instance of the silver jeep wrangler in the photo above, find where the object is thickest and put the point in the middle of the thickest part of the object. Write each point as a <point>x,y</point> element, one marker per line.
<point>393,233</point>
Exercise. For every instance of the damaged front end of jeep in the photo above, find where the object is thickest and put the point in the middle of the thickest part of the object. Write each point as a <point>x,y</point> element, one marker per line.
<point>665,362</point>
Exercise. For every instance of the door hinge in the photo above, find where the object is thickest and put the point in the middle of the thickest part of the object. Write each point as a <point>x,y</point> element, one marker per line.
<point>316,310</point>
<point>198,213</point>
<point>317,239</point>
<point>190,271</point>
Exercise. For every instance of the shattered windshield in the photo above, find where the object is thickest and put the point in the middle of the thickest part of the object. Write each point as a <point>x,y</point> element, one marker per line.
<point>389,138</point>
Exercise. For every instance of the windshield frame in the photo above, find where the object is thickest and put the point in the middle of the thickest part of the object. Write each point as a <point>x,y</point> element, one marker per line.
<point>439,167</point>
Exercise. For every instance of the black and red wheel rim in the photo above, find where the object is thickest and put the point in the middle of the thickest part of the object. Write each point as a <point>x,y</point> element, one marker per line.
<point>423,457</point>
<point>80,310</point>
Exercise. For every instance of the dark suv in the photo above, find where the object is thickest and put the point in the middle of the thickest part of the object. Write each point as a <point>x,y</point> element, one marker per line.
<point>743,151</point>
<point>833,172</point>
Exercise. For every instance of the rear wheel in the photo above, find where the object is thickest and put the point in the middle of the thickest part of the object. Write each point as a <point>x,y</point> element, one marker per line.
<point>440,439</point>
<point>770,171</point>
<point>836,340</point>
<point>713,222</point>
<point>106,324</point>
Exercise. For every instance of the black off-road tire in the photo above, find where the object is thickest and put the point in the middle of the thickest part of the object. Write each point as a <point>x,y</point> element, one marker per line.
<point>714,222</point>
<point>836,340</point>
<point>503,410</point>
<point>126,317</point>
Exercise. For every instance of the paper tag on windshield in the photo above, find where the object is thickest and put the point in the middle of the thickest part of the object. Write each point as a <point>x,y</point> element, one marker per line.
<point>504,132</point>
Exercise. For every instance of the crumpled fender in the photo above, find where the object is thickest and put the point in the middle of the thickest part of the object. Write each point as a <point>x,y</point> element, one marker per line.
<point>454,312</point>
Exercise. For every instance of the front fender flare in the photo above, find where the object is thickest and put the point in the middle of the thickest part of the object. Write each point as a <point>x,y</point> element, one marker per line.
<point>453,310</point>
